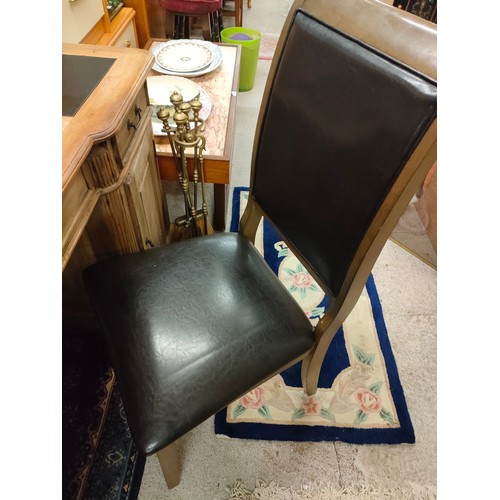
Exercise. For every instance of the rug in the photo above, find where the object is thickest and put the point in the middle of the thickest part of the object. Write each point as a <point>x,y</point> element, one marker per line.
<point>359,399</point>
<point>268,42</point>
<point>99,459</point>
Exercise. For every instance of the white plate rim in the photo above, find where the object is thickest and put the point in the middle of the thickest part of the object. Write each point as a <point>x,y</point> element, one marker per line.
<point>175,43</point>
<point>216,62</point>
<point>195,88</point>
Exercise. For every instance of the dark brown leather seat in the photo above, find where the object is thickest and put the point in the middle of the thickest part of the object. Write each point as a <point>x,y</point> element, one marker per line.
<point>345,137</point>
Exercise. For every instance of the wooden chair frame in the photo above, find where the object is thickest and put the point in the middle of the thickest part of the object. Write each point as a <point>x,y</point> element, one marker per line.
<point>385,29</point>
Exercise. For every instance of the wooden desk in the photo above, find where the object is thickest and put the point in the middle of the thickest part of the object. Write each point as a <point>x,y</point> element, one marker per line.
<point>222,87</point>
<point>111,192</point>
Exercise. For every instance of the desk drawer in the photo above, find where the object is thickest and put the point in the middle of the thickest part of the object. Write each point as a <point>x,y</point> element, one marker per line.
<point>127,38</point>
<point>131,123</point>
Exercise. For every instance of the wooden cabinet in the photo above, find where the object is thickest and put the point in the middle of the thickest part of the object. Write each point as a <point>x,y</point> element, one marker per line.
<point>128,38</point>
<point>88,21</point>
<point>143,189</point>
<point>151,20</point>
<point>114,32</point>
<point>112,198</point>
<point>128,217</point>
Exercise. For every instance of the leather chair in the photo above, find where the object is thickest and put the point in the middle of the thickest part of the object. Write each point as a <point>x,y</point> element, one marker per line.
<point>184,11</point>
<point>345,137</point>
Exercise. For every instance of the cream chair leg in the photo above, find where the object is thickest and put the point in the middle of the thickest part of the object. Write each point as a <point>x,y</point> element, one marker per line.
<point>325,330</point>
<point>169,462</point>
<point>311,365</point>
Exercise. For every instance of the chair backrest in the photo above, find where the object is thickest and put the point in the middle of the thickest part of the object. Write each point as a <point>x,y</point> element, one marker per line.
<point>346,133</point>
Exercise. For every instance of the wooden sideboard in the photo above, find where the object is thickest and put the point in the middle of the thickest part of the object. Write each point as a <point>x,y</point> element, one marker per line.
<point>89,22</point>
<point>112,201</point>
<point>150,19</point>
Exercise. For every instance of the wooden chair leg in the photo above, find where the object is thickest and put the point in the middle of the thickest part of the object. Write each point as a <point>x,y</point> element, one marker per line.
<point>311,365</point>
<point>238,11</point>
<point>169,462</point>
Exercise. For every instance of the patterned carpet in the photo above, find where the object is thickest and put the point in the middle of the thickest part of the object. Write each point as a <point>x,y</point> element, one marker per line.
<point>100,461</point>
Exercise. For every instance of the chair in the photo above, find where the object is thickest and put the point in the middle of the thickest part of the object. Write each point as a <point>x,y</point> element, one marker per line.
<point>236,11</point>
<point>184,11</point>
<point>345,136</point>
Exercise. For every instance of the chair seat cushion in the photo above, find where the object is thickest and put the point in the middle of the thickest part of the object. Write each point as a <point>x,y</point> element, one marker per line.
<point>191,327</point>
<point>191,6</point>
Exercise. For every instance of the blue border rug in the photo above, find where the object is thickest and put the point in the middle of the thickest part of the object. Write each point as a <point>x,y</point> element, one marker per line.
<point>360,399</point>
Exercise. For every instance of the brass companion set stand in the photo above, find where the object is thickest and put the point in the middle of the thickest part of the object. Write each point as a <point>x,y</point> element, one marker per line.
<point>188,134</point>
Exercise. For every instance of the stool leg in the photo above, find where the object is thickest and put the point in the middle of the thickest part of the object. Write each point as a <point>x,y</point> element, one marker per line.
<point>187,27</point>
<point>221,22</point>
<point>177,26</point>
<point>238,12</point>
<point>169,462</point>
<point>211,27</point>
<point>213,20</point>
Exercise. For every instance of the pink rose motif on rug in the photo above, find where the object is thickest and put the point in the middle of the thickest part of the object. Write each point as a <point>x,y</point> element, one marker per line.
<point>254,399</point>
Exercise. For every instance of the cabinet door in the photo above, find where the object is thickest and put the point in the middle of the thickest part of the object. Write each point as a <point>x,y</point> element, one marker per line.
<point>127,38</point>
<point>143,188</point>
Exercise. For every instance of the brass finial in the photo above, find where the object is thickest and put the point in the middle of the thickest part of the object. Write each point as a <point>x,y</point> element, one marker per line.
<point>180,118</point>
<point>196,105</point>
<point>163,114</point>
<point>176,99</point>
<point>185,108</point>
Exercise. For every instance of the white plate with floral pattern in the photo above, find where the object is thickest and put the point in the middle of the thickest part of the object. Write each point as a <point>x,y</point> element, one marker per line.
<point>216,61</point>
<point>184,56</point>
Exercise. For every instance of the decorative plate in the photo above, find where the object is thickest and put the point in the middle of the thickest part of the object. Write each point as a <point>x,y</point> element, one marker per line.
<point>160,88</point>
<point>216,61</point>
<point>184,56</point>
<point>206,103</point>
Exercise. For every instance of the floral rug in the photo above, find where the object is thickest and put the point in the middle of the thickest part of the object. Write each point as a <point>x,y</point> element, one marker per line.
<point>359,398</point>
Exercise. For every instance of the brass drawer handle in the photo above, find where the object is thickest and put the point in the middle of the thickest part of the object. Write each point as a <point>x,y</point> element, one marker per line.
<point>131,124</point>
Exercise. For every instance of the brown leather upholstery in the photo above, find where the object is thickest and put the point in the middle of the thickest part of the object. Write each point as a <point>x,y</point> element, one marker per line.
<point>345,135</point>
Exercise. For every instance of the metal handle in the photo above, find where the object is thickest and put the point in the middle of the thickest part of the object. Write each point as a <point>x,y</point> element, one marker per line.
<point>131,124</point>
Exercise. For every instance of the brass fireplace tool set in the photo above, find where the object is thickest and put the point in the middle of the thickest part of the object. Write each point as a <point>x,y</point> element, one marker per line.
<point>187,135</point>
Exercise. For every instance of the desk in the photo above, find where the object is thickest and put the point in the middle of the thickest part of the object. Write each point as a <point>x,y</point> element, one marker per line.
<point>222,87</point>
<point>111,191</point>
